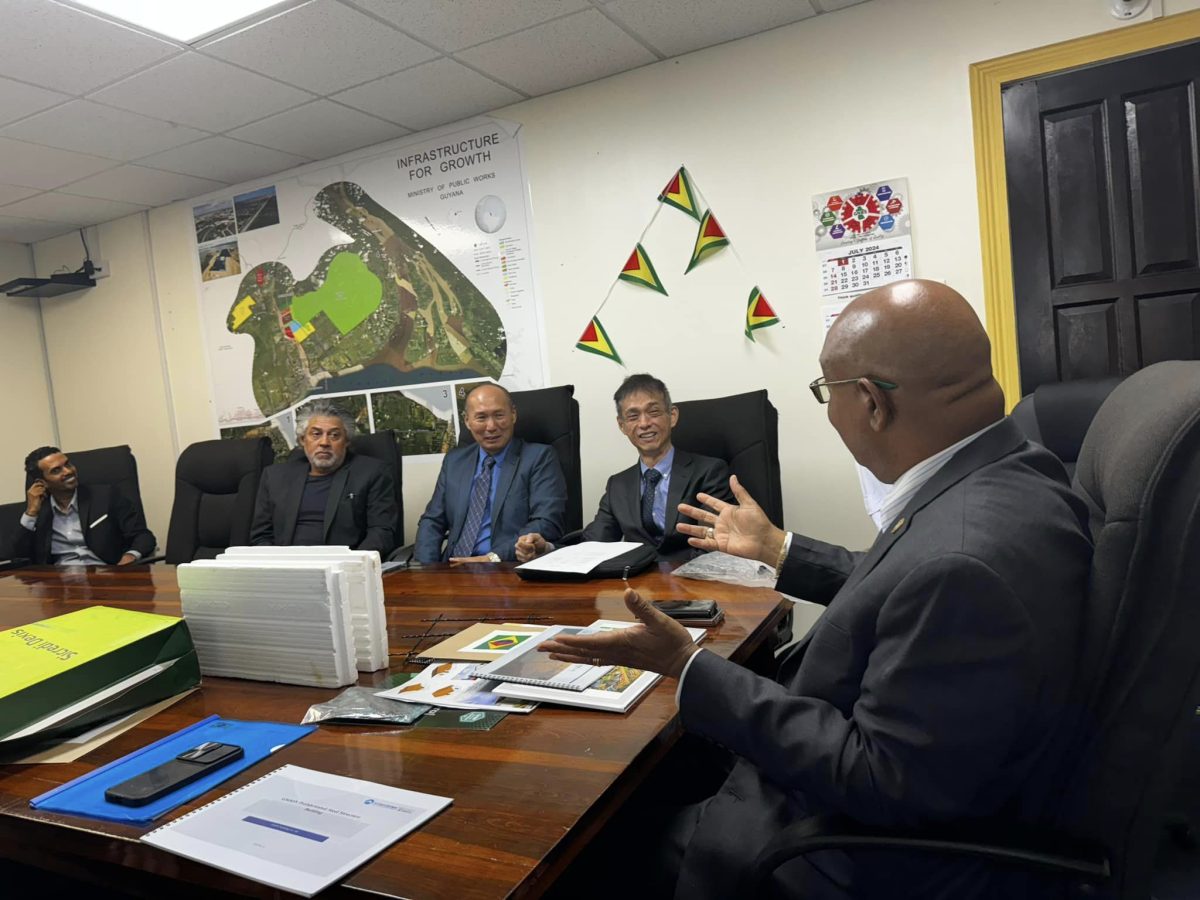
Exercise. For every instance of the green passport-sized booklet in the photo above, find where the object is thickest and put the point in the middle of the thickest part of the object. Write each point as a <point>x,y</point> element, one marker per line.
<point>63,675</point>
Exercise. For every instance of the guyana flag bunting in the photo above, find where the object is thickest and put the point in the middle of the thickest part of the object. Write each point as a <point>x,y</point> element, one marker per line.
<point>710,239</point>
<point>679,194</point>
<point>595,340</point>
<point>640,270</point>
<point>759,313</point>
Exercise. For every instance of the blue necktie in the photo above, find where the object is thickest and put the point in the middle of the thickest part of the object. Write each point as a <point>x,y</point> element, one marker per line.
<point>481,495</point>
<point>650,480</point>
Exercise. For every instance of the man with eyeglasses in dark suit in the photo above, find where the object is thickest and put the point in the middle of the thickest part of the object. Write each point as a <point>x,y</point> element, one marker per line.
<point>641,503</point>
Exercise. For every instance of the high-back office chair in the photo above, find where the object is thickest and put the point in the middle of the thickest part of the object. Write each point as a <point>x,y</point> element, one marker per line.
<point>385,447</point>
<point>216,483</point>
<point>114,466</point>
<point>1139,472</point>
<point>551,416</point>
<point>1057,415</point>
<point>743,430</point>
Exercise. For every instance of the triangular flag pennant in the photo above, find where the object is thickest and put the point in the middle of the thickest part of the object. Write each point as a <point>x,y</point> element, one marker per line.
<point>759,313</point>
<point>678,193</point>
<point>710,239</point>
<point>595,340</point>
<point>640,270</point>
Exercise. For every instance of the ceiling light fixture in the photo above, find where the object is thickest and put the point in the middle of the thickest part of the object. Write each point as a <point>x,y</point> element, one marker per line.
<point>182,20</point>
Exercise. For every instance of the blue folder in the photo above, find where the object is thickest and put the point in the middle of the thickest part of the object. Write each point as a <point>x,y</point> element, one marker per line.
<point>85,795</point>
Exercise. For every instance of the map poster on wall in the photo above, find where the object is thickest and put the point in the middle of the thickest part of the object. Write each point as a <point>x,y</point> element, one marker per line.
<point>382,279</point>
<point>863,239</point>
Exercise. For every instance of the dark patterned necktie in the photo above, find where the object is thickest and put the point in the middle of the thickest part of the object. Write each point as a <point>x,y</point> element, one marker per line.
<point>480,495</point>
<point>650,480</point>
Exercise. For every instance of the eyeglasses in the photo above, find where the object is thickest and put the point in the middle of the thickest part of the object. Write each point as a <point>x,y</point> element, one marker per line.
<point>820,386</point>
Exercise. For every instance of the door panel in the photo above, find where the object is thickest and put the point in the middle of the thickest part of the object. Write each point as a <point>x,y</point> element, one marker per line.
<point>1103,181</point>
<point>1168,327</point>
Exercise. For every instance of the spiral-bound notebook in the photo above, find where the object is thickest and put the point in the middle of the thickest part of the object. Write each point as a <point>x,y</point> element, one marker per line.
<point>525,665</point>
<point>297,829</point>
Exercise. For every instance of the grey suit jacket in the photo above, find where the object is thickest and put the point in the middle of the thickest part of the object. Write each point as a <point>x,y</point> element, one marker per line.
<point>531,495</point>
<point>938,685</point>
<point>619,517</point>
<point>360,513</point>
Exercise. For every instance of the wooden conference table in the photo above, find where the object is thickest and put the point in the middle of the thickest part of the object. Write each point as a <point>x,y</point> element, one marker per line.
<point>528,795</point>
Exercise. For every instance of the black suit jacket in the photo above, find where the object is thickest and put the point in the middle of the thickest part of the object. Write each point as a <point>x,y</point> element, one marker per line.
<point>360,513</point>
<point>620,514</point>
<point>938,685</point>
<point>112,525</point>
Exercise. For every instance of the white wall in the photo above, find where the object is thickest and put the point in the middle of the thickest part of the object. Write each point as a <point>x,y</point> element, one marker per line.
<point>876,91</point>
<point>25,375</point>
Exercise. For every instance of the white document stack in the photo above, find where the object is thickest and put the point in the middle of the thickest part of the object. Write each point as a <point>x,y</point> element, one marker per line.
<point>280,614</point>
<point>365,582</point>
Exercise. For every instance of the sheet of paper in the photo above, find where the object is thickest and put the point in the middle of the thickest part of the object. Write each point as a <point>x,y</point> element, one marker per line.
<point>297,829</point>
<point>580,558</point>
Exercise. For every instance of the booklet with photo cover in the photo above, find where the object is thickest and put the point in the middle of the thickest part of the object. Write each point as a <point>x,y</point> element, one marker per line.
<point>615,691</point>
<point>525,665</point>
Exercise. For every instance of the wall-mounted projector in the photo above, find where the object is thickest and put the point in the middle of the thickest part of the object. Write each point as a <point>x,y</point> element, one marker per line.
<point>44,288</point>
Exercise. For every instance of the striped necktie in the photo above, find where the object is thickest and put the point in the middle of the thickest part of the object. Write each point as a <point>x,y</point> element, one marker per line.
<point>481,496</point>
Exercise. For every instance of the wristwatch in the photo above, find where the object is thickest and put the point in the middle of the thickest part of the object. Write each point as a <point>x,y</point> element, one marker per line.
<point>493,556</point>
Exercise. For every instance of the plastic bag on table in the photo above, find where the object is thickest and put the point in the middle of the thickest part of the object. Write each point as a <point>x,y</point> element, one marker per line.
<point>359,704</point>
<point>718,566</point>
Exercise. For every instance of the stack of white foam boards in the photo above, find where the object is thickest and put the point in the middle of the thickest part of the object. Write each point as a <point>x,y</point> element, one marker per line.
<point>365,581</point>
<point>270,622</point>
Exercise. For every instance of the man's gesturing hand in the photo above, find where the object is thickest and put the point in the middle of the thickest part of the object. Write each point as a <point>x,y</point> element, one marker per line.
<point>741,529</point>
<point>657,644</point>
<point>530,546</point>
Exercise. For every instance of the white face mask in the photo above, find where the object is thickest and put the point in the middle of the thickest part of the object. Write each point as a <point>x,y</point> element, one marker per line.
<point>874,494</point>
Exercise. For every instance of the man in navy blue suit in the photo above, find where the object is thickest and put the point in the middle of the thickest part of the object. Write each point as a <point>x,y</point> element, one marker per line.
<point>490,493</point>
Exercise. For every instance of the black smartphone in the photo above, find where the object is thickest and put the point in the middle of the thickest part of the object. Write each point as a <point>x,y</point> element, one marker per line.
<point>183,769</point>
<point>688,609</point>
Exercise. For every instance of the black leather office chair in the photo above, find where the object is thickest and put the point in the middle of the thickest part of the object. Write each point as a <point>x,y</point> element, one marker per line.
<point>109,465</point>
<point>551,416</point>
<point>385,447</point>
<point>1139,471</point>
<point>216,483</point>
<point>743,430</point>
<point>1057,415</point>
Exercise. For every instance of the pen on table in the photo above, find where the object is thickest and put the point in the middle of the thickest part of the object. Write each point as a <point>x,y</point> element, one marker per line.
<point>625,576</point>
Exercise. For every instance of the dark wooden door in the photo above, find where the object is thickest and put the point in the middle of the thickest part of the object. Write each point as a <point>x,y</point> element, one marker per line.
<point>1103,183</point>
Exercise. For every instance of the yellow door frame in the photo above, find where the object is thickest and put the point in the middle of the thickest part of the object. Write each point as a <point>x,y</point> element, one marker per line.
<point>987,78</point>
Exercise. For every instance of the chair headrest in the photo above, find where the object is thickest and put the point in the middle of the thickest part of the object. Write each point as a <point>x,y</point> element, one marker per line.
<point>217,467</point>
<point>1131,433</point>
<point>1064,412</point>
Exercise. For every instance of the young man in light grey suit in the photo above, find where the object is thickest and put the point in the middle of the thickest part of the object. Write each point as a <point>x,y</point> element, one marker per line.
<point>490,493</point>
<point>942,681</point>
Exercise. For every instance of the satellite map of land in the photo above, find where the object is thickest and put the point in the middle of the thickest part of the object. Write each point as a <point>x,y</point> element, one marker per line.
<point>387,299</point>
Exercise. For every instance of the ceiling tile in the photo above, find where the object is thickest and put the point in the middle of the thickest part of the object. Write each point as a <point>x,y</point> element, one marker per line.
<point>224,159</point>
<point>834,5</point>
<point>680,26</point>
<point>31,165</point>
<point>323,46</point>
<point>18,100</point>
<point>202,92</point>
<point>85,126</point>
<point>319,130</point>
<point>54,206</point>
<point>11,192</point>
<point>139,184</point>
<point>573,50</point>
<point>430,94</point>
<point>69,50</point>
<point>455,24</point>
<point>27,231</point>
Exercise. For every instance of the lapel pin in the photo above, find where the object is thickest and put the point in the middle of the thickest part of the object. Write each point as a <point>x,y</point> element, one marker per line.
<point>899,526</point>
